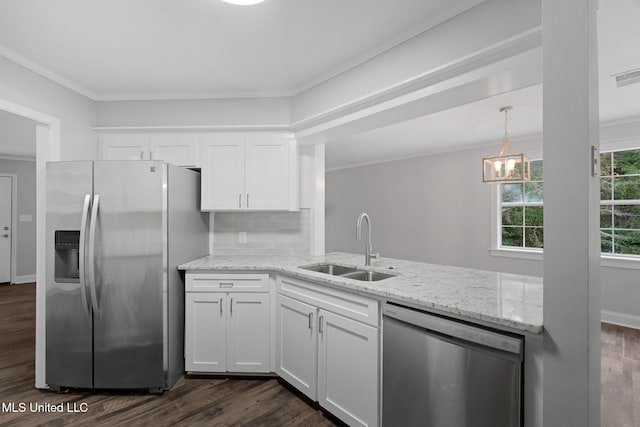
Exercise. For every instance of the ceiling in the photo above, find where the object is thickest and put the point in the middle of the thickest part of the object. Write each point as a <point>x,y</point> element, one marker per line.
<point>481,122</point>
<point>168,49</point>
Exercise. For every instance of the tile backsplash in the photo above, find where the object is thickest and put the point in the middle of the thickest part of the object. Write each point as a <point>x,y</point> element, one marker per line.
<point>268,233</point>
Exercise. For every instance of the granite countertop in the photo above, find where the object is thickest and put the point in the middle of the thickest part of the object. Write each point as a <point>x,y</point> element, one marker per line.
<point>503,299</point>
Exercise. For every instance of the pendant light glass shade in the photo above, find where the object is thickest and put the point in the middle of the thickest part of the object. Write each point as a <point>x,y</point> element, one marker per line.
<point>507,165</point>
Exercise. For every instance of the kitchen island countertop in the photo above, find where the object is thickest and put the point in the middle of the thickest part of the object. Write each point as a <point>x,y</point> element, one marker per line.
<point>502,299</point>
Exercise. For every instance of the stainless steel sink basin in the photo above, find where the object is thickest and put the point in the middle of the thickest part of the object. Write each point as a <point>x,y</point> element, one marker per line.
<point>348,272</point>
<point>367,276</point>
<point>335,270</point>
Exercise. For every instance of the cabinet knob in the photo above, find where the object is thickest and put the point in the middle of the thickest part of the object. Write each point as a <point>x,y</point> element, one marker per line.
<point>5,235</point>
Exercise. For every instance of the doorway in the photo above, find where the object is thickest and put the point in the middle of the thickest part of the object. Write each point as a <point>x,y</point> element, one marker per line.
<point>47,149</point>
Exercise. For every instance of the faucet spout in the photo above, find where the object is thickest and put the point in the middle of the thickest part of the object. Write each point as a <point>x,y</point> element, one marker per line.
<point>368,254</point>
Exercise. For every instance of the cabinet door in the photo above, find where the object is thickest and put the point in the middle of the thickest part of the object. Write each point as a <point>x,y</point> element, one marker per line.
<point>267,177</point>
<point>248,337</point>
<point>177,149</point>
<point>223,174</point>
<point>124,147</point>
<point>205,332</point>
<point>348,369</point>
<point>297,347</point>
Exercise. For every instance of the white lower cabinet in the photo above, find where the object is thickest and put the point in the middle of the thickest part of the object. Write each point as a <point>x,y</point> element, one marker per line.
<point>297,344</point>
<point>227,332</point>
<point>330,358</point>
<point>348,369</point>
<point>326,340</point>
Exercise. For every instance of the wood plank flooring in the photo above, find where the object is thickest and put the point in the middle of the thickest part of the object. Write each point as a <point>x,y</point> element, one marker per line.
<point>193,401</point>
<point>219,401</point>
<point>620,376</point>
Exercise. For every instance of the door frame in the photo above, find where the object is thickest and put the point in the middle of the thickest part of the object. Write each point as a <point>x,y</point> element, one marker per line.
<point>14,224</point>
<point>47,149</point>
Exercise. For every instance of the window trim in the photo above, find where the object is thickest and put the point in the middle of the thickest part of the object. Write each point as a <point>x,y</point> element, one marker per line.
<point>608,260</point>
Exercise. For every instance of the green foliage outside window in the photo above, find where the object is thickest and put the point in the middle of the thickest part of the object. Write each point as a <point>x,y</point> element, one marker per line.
<point>522,211</point>
<point>620,202</point>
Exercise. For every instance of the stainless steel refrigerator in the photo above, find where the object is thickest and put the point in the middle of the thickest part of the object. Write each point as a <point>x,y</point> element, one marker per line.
<point>116,231</point>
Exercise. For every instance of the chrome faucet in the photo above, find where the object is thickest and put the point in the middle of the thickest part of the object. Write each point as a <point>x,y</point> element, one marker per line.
<point>368,253</point>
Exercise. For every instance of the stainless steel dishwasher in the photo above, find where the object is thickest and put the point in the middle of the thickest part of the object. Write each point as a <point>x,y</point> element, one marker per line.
<point>439,372</point>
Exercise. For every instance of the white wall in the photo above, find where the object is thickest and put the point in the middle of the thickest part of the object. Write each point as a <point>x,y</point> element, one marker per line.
<point>76,113</point>
<point>436,209</point>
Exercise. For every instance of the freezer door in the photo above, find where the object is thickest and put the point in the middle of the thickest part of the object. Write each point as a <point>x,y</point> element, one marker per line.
<point>130,274</point>
<point>68,318</point>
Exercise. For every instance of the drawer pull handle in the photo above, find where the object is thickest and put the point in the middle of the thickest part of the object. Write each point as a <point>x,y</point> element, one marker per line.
<point>311,321</point>
<point>221,306</point>
<point>226,284</point>
<point>231,305</point>
<point>320,324</point>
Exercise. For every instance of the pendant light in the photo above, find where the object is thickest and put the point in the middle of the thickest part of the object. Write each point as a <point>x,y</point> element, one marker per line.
<point>507,165</point>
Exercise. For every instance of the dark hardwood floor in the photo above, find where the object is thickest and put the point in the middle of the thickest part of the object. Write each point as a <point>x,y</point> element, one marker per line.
<point>217,401</point>
<point>193,401</point>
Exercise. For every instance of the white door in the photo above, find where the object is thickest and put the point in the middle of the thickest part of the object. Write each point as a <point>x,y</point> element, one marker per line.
<point>297,346</point>
<point>205,332</point>
<point>248,335</point>
<point>5,228</point>
<point>348,369</point>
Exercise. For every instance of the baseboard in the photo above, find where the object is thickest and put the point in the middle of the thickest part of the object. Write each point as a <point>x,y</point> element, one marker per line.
<point>628,320</point>
<point>25,279</point>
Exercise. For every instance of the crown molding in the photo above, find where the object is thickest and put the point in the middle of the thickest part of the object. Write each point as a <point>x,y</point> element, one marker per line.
<point>45,72</point>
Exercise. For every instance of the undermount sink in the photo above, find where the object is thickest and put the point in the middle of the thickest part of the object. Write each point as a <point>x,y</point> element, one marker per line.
<point>367,276</point>
<point>348,272</point>
<point>334,270</point>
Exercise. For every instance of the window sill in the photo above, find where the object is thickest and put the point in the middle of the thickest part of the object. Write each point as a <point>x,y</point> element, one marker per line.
<point>620,261</point>
<point>613,261</point>
<point>531,254</point>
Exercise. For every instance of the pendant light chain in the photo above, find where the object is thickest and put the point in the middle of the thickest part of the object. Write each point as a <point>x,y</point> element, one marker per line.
<point>506,134</point>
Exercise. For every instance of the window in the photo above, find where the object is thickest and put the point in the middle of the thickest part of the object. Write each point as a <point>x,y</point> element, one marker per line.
<point>521,211</point>
<point>521,206</point>
<point>620,202</point>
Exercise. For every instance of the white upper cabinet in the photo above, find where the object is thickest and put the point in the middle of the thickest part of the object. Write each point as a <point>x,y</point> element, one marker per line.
<point>222,173</point>
<point>249,171</point>
<point>180,149</point>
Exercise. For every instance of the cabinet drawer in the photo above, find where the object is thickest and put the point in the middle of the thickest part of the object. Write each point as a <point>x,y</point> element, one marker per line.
<point>219,282</point>
<point>350,305</point>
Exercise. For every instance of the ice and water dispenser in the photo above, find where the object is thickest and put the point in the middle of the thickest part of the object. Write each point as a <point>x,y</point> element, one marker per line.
<point>67,265</point>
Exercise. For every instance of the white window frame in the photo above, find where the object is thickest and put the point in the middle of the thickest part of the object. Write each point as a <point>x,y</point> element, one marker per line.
<point>534,254</point>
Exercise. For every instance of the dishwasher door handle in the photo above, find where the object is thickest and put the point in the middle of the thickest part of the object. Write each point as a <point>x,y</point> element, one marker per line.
<point>454,329</point>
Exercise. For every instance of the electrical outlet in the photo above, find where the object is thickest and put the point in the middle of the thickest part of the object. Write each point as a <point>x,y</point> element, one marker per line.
<point>242,237</point>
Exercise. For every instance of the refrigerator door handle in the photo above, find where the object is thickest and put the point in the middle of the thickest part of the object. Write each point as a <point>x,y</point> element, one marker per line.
<point>92,252</point>
<point>82,253</point>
